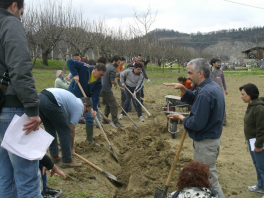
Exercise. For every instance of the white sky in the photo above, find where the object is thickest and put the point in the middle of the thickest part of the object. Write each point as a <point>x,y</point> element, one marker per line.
<point>189,16</point>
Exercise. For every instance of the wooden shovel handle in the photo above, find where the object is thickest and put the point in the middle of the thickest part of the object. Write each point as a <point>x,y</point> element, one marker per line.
<point>90,163</point>
<point>96,119</point>
<point>139,102</point>
<point>176,158</point>
<point>146,92</point>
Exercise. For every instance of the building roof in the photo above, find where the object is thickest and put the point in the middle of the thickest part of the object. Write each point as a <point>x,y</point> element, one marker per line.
<point>253,49</point>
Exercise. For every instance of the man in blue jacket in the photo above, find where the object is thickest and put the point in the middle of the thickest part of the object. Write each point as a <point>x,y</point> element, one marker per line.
<point>90,80</point>
<point>204,125</point>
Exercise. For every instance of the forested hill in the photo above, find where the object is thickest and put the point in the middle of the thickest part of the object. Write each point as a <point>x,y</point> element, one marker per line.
<point>203,40</point>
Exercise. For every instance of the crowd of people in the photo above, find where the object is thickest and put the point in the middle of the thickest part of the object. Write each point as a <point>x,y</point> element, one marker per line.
<point>78,94</point>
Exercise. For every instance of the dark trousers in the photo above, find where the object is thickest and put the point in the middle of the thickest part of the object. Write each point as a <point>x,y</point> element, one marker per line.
<point>54,120</point>
<point>110,106</point>
<point>128,99</point>
<point>142,95</point>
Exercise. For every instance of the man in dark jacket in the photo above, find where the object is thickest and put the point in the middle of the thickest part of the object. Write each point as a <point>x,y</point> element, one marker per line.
<point>90,80</point>
<point>204,125</point>
<point>18,177</point>
<point>107,94</point>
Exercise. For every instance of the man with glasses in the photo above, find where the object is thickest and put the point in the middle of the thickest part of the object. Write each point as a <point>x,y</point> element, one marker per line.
<point>90,80</point>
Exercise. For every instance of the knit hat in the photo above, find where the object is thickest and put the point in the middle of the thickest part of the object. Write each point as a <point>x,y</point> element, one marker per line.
<point>58,73</point>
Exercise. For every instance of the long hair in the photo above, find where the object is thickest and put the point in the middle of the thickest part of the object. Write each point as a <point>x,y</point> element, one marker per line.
<point>194,174</point>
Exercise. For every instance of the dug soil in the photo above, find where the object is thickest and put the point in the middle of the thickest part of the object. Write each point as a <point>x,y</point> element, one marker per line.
<point>145,154</point>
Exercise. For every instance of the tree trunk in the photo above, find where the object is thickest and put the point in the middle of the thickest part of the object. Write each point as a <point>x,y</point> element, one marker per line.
<point>179,69</point>
<point>45,58</point>
<point>163,66</point>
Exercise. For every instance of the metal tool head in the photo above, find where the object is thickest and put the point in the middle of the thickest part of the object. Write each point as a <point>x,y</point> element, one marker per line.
<point>152,106</point>
<point>160,193</point>
<point>113,125</point>
<point>113,179</point>
<point>113,152</point>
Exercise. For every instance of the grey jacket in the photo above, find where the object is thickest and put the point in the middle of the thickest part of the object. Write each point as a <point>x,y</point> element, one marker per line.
<point>219,78</point>
<point>132,80</point>
<point>15,57</point>
<point>109,76</point>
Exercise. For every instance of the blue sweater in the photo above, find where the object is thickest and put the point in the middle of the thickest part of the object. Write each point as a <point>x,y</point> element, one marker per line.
<point>91,89</point>
<point>207,114</point>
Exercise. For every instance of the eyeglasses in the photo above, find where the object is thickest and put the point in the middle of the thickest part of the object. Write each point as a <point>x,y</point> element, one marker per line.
<point>101,74</point>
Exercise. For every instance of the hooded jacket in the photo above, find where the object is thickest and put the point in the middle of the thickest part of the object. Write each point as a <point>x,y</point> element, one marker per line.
<point>253,122</point>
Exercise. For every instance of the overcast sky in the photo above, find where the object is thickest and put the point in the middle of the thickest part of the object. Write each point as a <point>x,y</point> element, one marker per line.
<point>189,16</point>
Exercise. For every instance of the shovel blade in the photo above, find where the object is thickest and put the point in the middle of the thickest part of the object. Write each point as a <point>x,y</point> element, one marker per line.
<point>113,125</point>
<point>113,179</point>
<point>113,152</point>
<point>160,193</point>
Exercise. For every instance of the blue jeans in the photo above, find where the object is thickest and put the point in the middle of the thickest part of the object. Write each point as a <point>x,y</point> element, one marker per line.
<point>19,177</point>
<point>128,99</point>
<point>258,161</point>
<point>54,120</point>
<point>89,119</point>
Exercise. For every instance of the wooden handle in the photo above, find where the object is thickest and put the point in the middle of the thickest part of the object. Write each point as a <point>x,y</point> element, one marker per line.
<point>146,92</point>
<point>85,160</point>
<point>102,114</point>
<point>125,113</point>
<point>96,119</point>
<point>80,86</point>
<point>176,158</point>
<point>138,102</point>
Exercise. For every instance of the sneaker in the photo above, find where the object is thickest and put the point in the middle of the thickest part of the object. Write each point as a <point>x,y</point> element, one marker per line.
<point>121,116</point>
<point>71,164</point>
<point>255,189</point>
<point>95,144</point>
<point>118,124</point>
<point>141,119</point>
<point>49,192</point>
<point>55,159</point>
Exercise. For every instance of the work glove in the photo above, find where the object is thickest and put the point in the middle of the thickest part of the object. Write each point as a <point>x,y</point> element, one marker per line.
<point>148,81</point>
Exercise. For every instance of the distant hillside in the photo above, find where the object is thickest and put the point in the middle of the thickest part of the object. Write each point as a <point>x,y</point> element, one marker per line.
<point>204,40</point>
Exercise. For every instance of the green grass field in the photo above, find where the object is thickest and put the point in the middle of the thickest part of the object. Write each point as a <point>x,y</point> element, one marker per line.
<point>45,75</point>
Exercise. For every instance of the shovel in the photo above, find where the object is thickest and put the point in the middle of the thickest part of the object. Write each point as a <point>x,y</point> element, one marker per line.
<point>112,178</point>
<point>135,125</point>
<point>138,102</point>
<point>149,98</point>
<point>109,121</point>
<point>162,193</point>
<point>96,119</point>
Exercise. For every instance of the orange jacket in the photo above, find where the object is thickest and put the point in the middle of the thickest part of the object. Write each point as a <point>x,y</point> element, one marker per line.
<point>119,69</point>
<point>187,84</point>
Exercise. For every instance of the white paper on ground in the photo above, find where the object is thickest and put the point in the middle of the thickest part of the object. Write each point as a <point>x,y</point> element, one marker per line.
<point>32,146</point>
<point>252,143</point>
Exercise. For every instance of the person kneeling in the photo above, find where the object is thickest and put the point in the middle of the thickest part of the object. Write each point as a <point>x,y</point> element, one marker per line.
<point>194,182</point>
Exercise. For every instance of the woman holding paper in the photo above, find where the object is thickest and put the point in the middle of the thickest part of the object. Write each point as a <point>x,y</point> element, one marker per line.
<point>254,130</point>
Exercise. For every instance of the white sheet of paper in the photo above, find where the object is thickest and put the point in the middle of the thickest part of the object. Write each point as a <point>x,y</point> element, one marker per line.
<point>252,143</point>
<point>32,146</point>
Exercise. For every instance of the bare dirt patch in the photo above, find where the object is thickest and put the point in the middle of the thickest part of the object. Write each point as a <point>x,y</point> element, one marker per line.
<point>145,155</point>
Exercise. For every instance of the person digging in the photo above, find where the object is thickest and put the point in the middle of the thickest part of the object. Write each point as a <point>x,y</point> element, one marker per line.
<point>134,82</point>
<point>90,79</point>
<point>60,112</point>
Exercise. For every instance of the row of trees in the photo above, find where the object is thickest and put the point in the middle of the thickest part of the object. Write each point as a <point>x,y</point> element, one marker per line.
<point>56,26</point>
